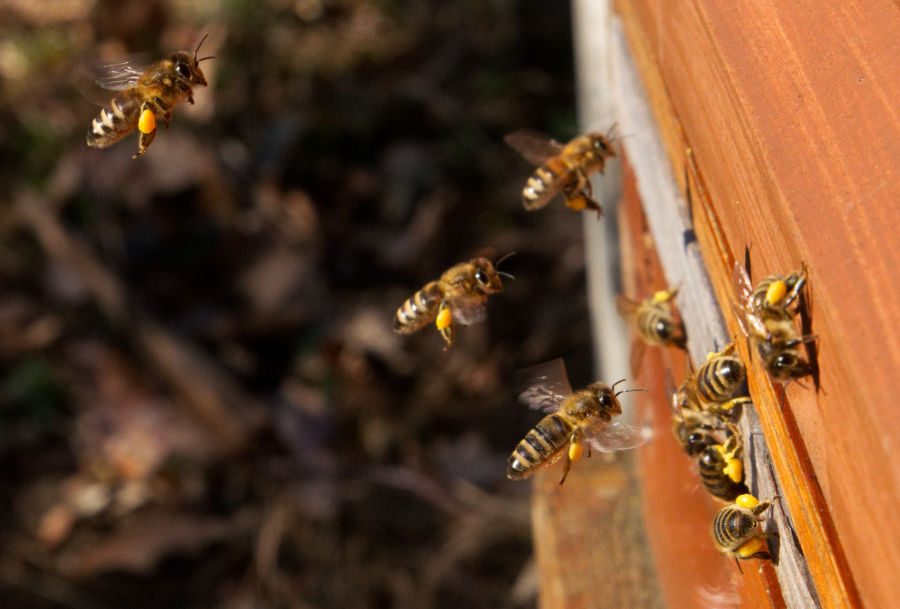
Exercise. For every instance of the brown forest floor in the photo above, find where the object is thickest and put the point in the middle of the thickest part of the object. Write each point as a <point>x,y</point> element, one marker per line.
<point>202,403</point>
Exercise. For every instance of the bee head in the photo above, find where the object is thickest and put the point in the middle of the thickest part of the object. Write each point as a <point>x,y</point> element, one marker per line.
<point>606,398</point>
<point>187,66</point>
<point>487,279</point>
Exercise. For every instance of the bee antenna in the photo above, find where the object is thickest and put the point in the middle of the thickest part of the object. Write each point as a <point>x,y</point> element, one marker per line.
<point>502,258</point>
<point>616,383</point>
<point>505,274</point>
<point>196,61</point>
<point>618,393</point>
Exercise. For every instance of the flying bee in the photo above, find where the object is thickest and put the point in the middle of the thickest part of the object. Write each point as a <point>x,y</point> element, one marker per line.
<point>561,168</point>
<point>459,295</point>
<point>735,528</point>
<point>720,376</point>
<point>653,318</point>
<point>654,322</point>
<point>145,97</point>
<point>573,419</point>
<point>721,468</point>
<point>770,327</point>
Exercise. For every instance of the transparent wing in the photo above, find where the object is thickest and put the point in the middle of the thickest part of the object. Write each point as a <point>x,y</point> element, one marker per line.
<point>626,307</point>
<point>747,317</point>
<point>469,313</point>
<point>547,385</point>
<point>118,76</point>
<point>620,436</point>
<point>535,147</point>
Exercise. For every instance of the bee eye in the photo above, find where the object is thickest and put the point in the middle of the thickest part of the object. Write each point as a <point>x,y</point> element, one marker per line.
<point>662,329</point>
<point>481,277</point>
<point>183,70</point>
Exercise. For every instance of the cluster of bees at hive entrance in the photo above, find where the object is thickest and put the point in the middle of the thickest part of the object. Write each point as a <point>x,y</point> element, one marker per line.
<point>705,406</point>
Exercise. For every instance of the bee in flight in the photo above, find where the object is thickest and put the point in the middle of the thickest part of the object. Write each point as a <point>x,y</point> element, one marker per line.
<point>654,321</point>
<point>145,97</point>
<point>573,419</point>
<point>459,295</point>
<point>561,168</point>
<point>735,529</point>
<point>764,318</point>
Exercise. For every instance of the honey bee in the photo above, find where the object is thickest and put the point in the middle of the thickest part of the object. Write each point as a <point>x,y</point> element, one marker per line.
<point>460,294</point>
<point>722,470</point>
<point>653,318</point>
<point>145,97</point>
<point>573,419</point>
<point>735,528</point>
<point>561,168</point>
<point>720,376</point>
<point>763,317</point>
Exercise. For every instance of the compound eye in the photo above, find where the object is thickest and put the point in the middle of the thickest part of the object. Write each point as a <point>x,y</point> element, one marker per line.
<point>482,278</point>
<point>183,70</point>
<point>785,361</point>
<point>662,329</point>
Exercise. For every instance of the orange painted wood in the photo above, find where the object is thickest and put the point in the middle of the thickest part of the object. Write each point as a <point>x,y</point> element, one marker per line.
<point>791,111</point>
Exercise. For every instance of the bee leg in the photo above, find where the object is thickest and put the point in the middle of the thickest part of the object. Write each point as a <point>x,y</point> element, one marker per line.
<point>444,323</point>
<point>573,454</point>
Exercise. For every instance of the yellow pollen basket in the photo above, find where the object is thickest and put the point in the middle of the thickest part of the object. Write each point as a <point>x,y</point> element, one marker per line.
<point>575,451</point>
<point>443,319</point>
<point>147,122</point>
<point>661,296</point>
<point>776,292</point>
<point>734,470</point>
<point>746,501</point>
<point>751,547</point>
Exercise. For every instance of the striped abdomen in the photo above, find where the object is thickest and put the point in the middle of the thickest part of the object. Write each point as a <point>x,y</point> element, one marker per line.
<point>712,465</point>
<point>419,310</point>
<point>719,377</point>
<point>544,183</point>
<point>539,446</point>
<point>732,527</point>
<point>116,121</point>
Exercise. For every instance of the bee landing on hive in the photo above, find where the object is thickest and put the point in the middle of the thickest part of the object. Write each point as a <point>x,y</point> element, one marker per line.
<point>145,98</point>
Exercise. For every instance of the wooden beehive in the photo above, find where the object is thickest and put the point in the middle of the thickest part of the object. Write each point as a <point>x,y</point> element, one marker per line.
<point>790,114</point>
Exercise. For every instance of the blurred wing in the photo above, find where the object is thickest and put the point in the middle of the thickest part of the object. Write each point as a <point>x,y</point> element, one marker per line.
<point>547,385</point>
<point>533,146</point>
<point>468,314</point>
<point>620,436</point>
<point>638,348</point>
<point>626,307</point>
<point>119,76</point>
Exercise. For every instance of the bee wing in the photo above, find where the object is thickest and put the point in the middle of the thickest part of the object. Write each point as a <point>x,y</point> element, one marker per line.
<point>119,76</point>
<point>535,147</point>
<point>620,436</point>
<point>743,310</point>
<point>547,385</point>
<point>636,361</point>
<point>626,307</point>
<point>470,313</point>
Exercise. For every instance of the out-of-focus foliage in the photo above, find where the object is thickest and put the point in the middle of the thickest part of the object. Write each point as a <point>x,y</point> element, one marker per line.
<point>202,403</point>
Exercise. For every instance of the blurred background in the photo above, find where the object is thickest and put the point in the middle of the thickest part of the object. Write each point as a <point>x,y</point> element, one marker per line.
<point>202,403</point>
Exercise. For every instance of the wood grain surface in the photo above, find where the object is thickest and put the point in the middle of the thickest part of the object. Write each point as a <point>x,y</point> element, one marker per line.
<point>790,110</point>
